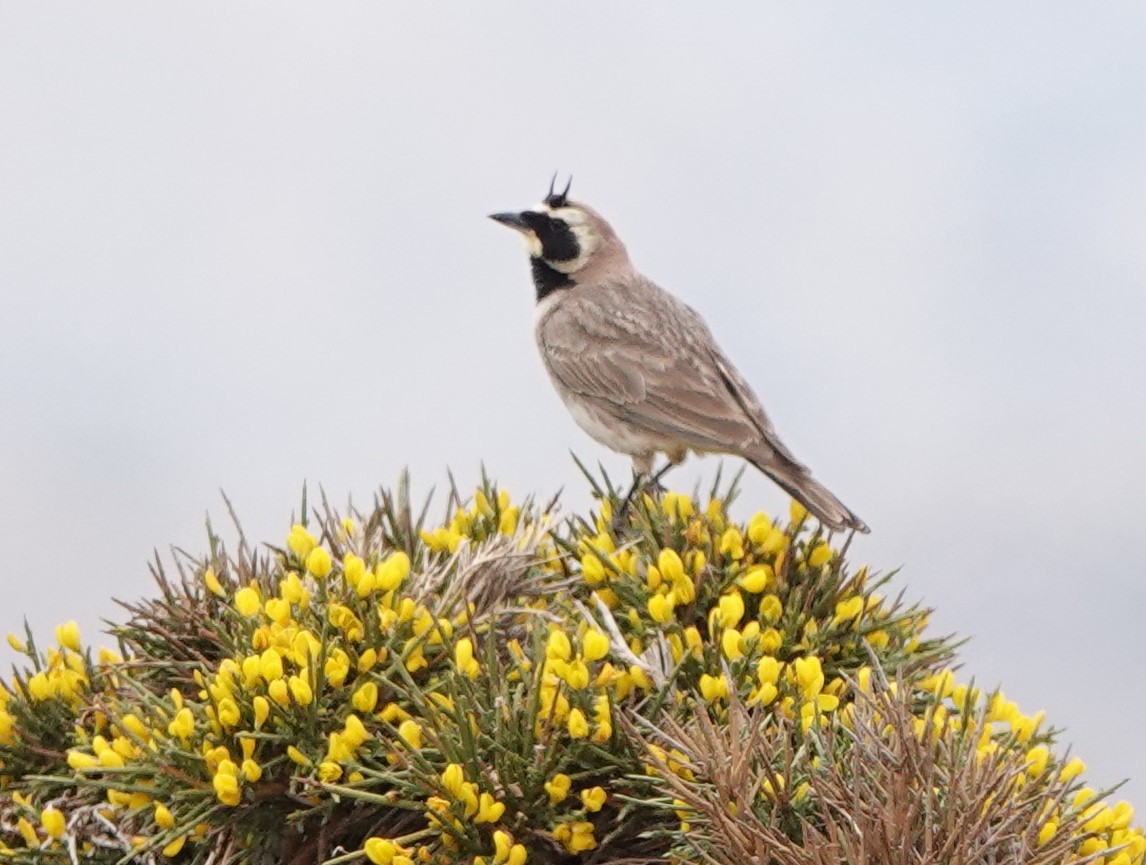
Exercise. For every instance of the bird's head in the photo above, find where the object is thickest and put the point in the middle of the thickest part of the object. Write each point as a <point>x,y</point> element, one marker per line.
<point>567,237</point>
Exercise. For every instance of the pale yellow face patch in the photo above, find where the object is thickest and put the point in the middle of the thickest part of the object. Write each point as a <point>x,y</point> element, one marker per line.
<point>532,243</point>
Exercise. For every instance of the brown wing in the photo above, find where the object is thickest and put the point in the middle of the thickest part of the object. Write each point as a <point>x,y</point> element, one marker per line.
<point>649,359</point>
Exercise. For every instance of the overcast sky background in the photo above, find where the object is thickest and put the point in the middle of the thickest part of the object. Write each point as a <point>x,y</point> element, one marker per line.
<point>245,245</point>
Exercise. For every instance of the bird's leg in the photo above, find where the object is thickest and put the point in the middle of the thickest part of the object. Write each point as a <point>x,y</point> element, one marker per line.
<point>645,479</point>
<point>675,458</point>
<point>654,483</point>
<point>642,471</point>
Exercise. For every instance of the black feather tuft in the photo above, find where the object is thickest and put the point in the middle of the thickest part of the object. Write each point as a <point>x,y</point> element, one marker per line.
<point>554,199</point>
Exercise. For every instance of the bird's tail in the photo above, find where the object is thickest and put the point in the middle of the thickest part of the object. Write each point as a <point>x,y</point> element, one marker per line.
<point>798,482</point>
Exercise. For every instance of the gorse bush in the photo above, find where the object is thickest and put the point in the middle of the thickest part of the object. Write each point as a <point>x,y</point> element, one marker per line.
<point>653,683</point>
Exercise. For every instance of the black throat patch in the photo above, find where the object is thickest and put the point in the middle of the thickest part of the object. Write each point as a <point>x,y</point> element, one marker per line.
<point>547,279</point>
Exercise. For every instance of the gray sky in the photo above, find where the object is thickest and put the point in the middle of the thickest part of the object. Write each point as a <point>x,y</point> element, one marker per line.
<point>245,245</point>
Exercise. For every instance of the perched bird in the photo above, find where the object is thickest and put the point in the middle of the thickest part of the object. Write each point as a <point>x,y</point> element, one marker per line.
<point>638,368</point>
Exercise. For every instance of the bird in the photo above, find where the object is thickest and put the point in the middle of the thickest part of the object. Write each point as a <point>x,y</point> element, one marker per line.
<point>638,368</point>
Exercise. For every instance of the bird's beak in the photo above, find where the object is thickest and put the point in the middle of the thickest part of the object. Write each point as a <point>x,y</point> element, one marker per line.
<point>513,220</point>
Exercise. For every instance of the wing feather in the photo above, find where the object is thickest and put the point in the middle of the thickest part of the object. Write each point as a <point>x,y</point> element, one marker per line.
<point>648,359</point>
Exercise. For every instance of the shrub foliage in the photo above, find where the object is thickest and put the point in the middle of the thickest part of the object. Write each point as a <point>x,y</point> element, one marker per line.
<point>649,683</point>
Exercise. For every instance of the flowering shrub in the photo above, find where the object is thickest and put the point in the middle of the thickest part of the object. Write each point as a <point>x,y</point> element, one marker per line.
<point>649,683</point>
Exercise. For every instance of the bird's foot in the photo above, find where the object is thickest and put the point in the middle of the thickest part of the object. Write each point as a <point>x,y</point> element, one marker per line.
<point>642,483</point>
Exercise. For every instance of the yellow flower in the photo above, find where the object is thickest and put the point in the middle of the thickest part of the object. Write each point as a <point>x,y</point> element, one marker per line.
<point>79,760</point>
<point>411,733</point>
<point>353,570</point>
<point>164,819</point>
<point>819,555</point>
<point>355,731</point>
<point>173,848</point>
<point>262,710</point>
<point>1047,832</point>
<point>607,597</point>
<point>270,665</point>
<point>732,543</point>
<point>558,646</point>
<point>489,809</point>
<point>756,579</point>
<point>604,719</point>
<point>380,851</point>
<point>278,611</point>
<point>594,798</point>
<point>182,725</point>
<point>660,607</point>
<point>768,670</point>
<point>878,639</point>
<point>298,756</point>
<point>293,591</point>
<point>594,645</point>
<point>771,609</point>
<point>576,837</point>
<point>228,713</point>
<point>366,697</point>
<point>592,569</point>
<point>848,610</point>
<point>16,644</point>
<point>670,566</point>
<point>730,644</point>
<point>765,695</point>
<point>507,522</point>
<point>338,748</point>
<point>1026,726</point>
<point>227,789</point>
<point>453,777</point>
<point>577,723</point>
<point>797,511</point>
<point>731,609</point>
<point>390,573</point>
<point>821,704</point>
<point>41,687</point>
<point>300,541</point>
<point>1037,758</point>
<point>318,562</point>
<point>52,819</point>
<point>809,675</point>
<point>300,690</point>
<point>677,506</point>
<point>336,668</point>
<point>1072,769</point>
<point>251,770</point>
<point>68,635</point>
<point>329,772</point>
<point>464,658</point>
<point>576,675</point>
<point>247,601</point>
<point>713,688</point>
<point>1121,815</point>
<point>367,660</point>
<point>557,788</point>
<point>212,583</point>
<point>415,655</point>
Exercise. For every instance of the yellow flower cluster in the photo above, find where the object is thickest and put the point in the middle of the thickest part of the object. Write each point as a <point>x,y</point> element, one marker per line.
<point>371,659</point>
